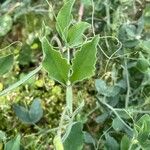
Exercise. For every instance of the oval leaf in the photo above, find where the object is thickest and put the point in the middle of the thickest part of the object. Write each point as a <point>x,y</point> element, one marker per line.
<point>54,64</point>
<point>145,45</point>
<point>111,143</point>
<point>5,24</point>
<point>142,65</point>
<point>2,136</point>
<point>125,143</point>
<point>75,33</point>
<point>117,125</point>
<point>75,139</point>
<point>13,144</point>
<point>64,18</point>
<point>83,65</point>
<point>104,89</point>
<point>22,113</point>
<point>36,111</point>
<point>6,64</point>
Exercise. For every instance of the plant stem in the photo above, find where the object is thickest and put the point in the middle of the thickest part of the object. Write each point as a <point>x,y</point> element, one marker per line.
<point>107,6</point>
<point>69,95</point>
<point>69,98</point>
<point>128,84</point>
<point>93,10</point>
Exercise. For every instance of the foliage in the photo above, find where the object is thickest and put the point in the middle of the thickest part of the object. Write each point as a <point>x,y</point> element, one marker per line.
<point>99,64</point>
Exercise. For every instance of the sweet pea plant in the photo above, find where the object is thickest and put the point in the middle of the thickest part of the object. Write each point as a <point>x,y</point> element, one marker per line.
<point>69,65</point>
<point>121,87</point>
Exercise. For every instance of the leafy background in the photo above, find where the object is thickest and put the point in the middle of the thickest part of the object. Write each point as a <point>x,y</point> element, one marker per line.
<point>116,98</point>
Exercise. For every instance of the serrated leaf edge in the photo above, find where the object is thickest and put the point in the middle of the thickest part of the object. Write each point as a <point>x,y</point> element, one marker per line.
<point>94,67</point>
<point>44,56</point>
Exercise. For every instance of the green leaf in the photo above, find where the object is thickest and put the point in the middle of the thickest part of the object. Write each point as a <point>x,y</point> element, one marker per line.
<point>25,55</point>
<point>58,143</point>
<point>22,113</point>
<point>75,33</point>
<point>128,35</point>
<point>143,138</point>
<point>86,2</point>
<point>111,143</point>
<point>144,119</point>
<point>13,144</point>
<point>64,18</point>
<point>2,136</point>
<point>83,65</point>
<point>145,45</point>
<point>125,143</point>
<point>54,64</point>
<point>117,125</point>
<point>36,111</point>
<point>104,89</point>
<point>75,139</point>
<point>142,65</point>
<point>6,64</point>
<point>89,139</point>
<point>102,118</point>
<point>143,129</point>
<point>31,116</point>
<point>5,24</point>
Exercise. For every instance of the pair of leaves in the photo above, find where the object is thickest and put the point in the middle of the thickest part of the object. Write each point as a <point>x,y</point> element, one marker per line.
<point>72,35</point>
<point>83,65</point>
<point>31,116</point>
<point>6,63</point>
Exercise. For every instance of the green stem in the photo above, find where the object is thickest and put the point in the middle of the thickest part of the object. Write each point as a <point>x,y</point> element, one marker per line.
<point>128,84</point>
<point>69,95</point>
<point>69,98</point>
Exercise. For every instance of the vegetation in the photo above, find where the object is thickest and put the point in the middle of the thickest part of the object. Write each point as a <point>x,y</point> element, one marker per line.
<point>75,75</point>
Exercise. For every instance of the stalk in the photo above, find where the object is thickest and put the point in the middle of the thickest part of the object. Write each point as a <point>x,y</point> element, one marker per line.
<point>69,94</point>
<point>69,98</point>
